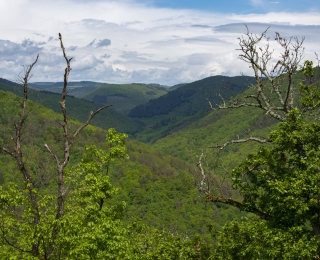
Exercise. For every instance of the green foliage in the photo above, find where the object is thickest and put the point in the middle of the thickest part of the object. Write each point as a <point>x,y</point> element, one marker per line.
<point>280,184</point>
<point>252,238</point>
<point>160,190</point>
<point>89,229</point>
<point>310,91</point>
<point>150,243</point>
<point>307,69</point>
<point>156,187</point>
<point>283,181</point>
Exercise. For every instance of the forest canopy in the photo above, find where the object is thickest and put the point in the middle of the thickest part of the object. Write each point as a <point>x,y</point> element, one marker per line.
<point>58,200</point>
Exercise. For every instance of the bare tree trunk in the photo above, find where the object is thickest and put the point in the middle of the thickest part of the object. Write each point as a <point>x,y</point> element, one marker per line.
<point>17,154</point>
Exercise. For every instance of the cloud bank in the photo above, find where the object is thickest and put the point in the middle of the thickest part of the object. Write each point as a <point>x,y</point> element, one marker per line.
<point>124,41</point>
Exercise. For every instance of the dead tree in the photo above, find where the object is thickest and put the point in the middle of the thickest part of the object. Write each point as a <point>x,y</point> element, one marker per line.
<point>275,92</point>
<point>16,152</point>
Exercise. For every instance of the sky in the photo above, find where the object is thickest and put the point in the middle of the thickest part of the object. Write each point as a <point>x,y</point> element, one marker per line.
<point>145,41</point>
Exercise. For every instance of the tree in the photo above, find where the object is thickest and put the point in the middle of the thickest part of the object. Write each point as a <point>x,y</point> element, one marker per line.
<point>41,223</point>
<point>280,183</point>
<point>55,204</point>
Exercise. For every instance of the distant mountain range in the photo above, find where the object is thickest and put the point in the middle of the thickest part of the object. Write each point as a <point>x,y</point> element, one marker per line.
<point>145,111</point>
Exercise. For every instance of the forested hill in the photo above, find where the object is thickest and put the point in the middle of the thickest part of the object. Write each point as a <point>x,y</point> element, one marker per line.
<point>184,105</point>
<point>192,98</point>
<point>77,108</point>
<point>160,189</point>
<point>124,97</point>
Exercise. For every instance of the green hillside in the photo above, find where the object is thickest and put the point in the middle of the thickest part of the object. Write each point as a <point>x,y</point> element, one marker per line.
<point>180,107</point>
<point>217,127</point>
<point>158,188</point>
<point>124,97</point>
<point>77,108</point>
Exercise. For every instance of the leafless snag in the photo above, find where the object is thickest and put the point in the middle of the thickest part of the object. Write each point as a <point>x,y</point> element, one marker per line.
<point>68,140</point>
<point>209,183</point>
<point>274,92</point>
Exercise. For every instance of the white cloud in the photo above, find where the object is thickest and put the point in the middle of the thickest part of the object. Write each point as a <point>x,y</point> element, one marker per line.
<point>122,41</point>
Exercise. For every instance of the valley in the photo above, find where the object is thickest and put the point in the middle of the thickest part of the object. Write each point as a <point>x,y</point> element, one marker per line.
<point>160,180</point>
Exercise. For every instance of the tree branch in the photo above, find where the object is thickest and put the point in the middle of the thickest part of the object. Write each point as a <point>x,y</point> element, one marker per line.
<point>268,80</point>
<point>91,116</point>
<point>222,146</point>
<point>202,185</point>
<point>238,205</point>
<point>13,245</point>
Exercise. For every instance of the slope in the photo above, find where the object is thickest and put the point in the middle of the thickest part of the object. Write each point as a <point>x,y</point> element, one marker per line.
<point>220,126</point>
<point>77,108</point>
<point>184,105</point>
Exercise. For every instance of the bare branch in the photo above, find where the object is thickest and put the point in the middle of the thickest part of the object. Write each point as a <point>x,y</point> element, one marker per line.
<point>68,138</point>
<point>7,151</point>
<point>203,187</point>
<point>275,90</point>
<point>91,116</point>
<point>53,154</point>
<point>17,153</point>
<point>222,146</point>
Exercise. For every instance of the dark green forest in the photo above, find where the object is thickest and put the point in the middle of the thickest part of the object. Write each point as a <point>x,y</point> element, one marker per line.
<point>221,168</point>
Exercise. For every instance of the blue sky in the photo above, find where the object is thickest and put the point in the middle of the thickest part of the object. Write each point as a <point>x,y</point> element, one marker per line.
<point>148,41</point>
<point>240,6</point>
